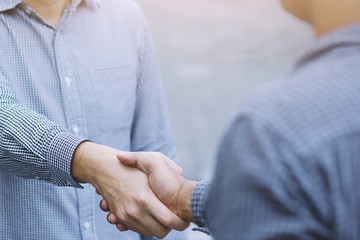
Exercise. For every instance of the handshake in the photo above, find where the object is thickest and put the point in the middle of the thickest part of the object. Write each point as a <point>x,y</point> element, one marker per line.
<point>144,192</point>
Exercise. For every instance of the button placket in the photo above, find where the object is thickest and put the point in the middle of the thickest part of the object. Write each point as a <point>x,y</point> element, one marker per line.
<point>86,225</point>
<point>75,129</point>
<point>68,81</point>
<point>67,76</point>
<point>86,211</point>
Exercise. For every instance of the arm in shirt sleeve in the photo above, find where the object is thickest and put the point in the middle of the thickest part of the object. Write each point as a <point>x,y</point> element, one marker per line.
<point>259,188</point>
<point>198,201</point>
<point>31,146</point>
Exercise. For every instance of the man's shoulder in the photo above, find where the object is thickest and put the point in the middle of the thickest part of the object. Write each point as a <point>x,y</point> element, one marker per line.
<point>129,4</point>
<point>316,103</point>
<point>127,8</point>
<point>123,15</point>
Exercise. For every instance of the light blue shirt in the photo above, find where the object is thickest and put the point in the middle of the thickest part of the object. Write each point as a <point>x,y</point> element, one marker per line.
<point>92,77</point>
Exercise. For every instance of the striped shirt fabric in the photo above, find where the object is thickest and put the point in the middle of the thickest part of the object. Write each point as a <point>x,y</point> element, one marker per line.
<point>93,76</point>
<point>288,168</point>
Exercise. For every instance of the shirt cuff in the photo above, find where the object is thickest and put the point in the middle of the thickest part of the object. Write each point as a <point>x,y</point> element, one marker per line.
<point>60,155</point>
<point>198,201</point>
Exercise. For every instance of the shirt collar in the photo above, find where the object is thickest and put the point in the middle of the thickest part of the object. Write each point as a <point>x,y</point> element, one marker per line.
<point>348,36</point>
<point>10,4</point>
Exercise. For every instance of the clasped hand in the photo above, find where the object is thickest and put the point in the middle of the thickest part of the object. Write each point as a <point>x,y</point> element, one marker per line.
<point>165,179</point>
<point>126,192</point>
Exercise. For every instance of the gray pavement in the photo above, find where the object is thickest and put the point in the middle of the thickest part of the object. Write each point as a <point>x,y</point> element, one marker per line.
<point>214,56</point>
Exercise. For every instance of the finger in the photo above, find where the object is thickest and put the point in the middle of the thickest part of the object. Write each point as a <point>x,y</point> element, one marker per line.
<point>104,205</point>
<point>147,225</point>
<point>111,218</point>
<point>140,160</point>
<point>139,219</point>
<point>145,161</point>
<point>129,159</point>
<point>149,161</point>
<point>121,227</point>
<point>157,229</point>
<point>167,218</point>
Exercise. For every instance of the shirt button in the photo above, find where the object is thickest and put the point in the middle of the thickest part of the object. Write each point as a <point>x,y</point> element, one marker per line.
<point>67,81</point>
<point>75,129</point>
<point>87,225</point>
<point>37,177</point>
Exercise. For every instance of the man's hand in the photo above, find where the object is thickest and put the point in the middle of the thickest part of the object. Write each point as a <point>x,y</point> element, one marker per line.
<point>165,180</point>
<point>126,191</point>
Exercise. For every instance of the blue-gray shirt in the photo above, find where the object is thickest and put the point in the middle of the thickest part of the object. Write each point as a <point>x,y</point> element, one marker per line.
<point>92,77</point>
<point>289,167</point>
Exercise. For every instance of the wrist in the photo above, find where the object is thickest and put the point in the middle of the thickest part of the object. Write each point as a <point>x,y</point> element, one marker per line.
<point>79,165</point>
<point>184,200</point>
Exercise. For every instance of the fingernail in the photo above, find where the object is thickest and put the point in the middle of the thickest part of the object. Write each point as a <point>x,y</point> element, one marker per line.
<point>108,218</point>
<point>100,204</point>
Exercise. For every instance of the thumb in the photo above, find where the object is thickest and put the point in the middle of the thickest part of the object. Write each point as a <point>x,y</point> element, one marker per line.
<point>132,160</point>
<point>126,158</point>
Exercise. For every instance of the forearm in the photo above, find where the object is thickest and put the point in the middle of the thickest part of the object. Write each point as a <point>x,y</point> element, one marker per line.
<point>31,146</point>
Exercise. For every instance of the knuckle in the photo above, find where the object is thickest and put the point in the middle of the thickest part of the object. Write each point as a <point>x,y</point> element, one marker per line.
<point>120,217</point>
<point>123,216</point>
<point>141,199</point>
<point>132,212</point>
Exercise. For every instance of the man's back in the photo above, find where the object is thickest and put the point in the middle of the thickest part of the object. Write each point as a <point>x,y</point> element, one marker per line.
<point>293,153</point>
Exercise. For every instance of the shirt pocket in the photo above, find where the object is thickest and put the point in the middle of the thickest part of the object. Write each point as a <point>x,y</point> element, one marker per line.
<point>116,96</point>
